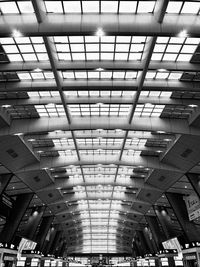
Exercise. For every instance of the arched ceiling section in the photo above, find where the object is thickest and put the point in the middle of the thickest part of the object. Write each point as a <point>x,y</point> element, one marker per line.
<point>99,110</point>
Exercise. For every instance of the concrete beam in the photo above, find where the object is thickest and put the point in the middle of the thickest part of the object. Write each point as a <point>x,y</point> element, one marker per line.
<point>91,147</point>
<point>103,134</point>
<point>71,100</point>
<point>104,64</point>
<point>87,24</point>
<point>31,126</point>
<point>62,161</point>
<point>50,85</point>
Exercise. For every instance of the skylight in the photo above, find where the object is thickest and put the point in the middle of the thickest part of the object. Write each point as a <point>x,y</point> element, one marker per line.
<point>24,49</point>
<point>100,48</point>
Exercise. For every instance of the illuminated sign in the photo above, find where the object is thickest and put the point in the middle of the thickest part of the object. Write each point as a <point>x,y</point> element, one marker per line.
<point>193,206</point>
<point>26,244</point>
<point>172,243</point>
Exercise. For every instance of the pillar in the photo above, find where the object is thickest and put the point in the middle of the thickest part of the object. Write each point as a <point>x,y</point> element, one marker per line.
<point>165,221</point>
<point>55,242</point>
<point>136,251</point>
<point>156,231</point>
<point>33,222</point>
<point>4,181</point>
<point>194,179</point>
<point>138,245</point>
<point>178,205</point>
<point>17,212</point>
<point>59,247</point>
<point>63,248</point>
<point>43,230</point>
<point>49,240</point>
<point>144,245</point>
<point>149,240</point>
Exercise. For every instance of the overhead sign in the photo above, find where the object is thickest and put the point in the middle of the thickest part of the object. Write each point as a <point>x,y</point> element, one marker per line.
<point>193,206</point>
<point>25,244</point>
<point>172,243</point>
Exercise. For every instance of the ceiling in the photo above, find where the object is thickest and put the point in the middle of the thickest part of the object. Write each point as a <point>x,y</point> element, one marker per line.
<point>99,112</point>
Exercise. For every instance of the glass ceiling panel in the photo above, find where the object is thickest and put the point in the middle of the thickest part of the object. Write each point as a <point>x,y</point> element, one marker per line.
<point>99,7</point>
<point>176,49</point>
<point>43,94</point>
<point>100,110</point>
<point>23,49</point>
<point>16,7</point>
<point>100,192</point>
<point>96,75</point>
<point>97,93</point>
<point>88,48</point>
<point>183,7</point>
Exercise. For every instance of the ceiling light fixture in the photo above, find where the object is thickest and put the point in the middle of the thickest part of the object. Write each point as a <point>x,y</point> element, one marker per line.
<point>183,34</point>
<point>99,69</point>
<point>100,32</point>
<point>162,70</point>
<point>16,33</point>
<point>37,70</point>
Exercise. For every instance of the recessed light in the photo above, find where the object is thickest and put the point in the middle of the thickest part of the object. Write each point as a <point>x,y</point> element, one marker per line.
<point>18,134</point>
<point>193,106</point>
<point>6,106</point>
<point>99,69</point>
<point>100,32</point>
<point>183,34</point>
<point>162,70</point>
<point>37,70</point>
<point>16,33</point>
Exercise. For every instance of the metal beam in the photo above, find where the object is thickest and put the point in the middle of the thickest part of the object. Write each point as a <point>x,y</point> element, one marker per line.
<point>103,134</point>
<point>72,210</point>
<point>78,219</point>
<point>79,237</point>
<point>87,24</point>
<point>71,197</point>
<point>121,224</point>
<point>82,85</point>
<point>31,126</point>
<point>5,119</point>
<point>104,64</point>
<point>100,146</point>
<point>62,161</point>
<point>69,183</point>
<point>71,100</point>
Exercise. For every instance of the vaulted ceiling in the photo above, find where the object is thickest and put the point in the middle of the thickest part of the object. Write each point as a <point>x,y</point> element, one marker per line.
<point>99,111</point>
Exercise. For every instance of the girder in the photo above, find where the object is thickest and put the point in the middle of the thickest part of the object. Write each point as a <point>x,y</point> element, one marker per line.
<point>30,126</point>
<point>87,24</point>
<point>71,100</point>
<point>155,85</point>
<point>103,64</point>
<point>64,162</point>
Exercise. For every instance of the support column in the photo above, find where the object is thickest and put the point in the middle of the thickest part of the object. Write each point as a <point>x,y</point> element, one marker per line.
<point>58,249</point>
<point>178,205</point>
<point>135,248</point>
<point>165,221</point>
<point>55,242</point>
<point>138,245</point>
<point>4,181</point>
<point>156,231</point>
<point>62,251</point>
<point>33,223</point>
<point>149,240</point>
<point>194,179</point>
<point>43,230</point>
<point>17,212</point>
<point>145,248</point>
<point>49,240</point>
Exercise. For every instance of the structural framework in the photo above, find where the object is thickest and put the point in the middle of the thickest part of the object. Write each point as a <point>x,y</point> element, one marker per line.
<point>99,112</point>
